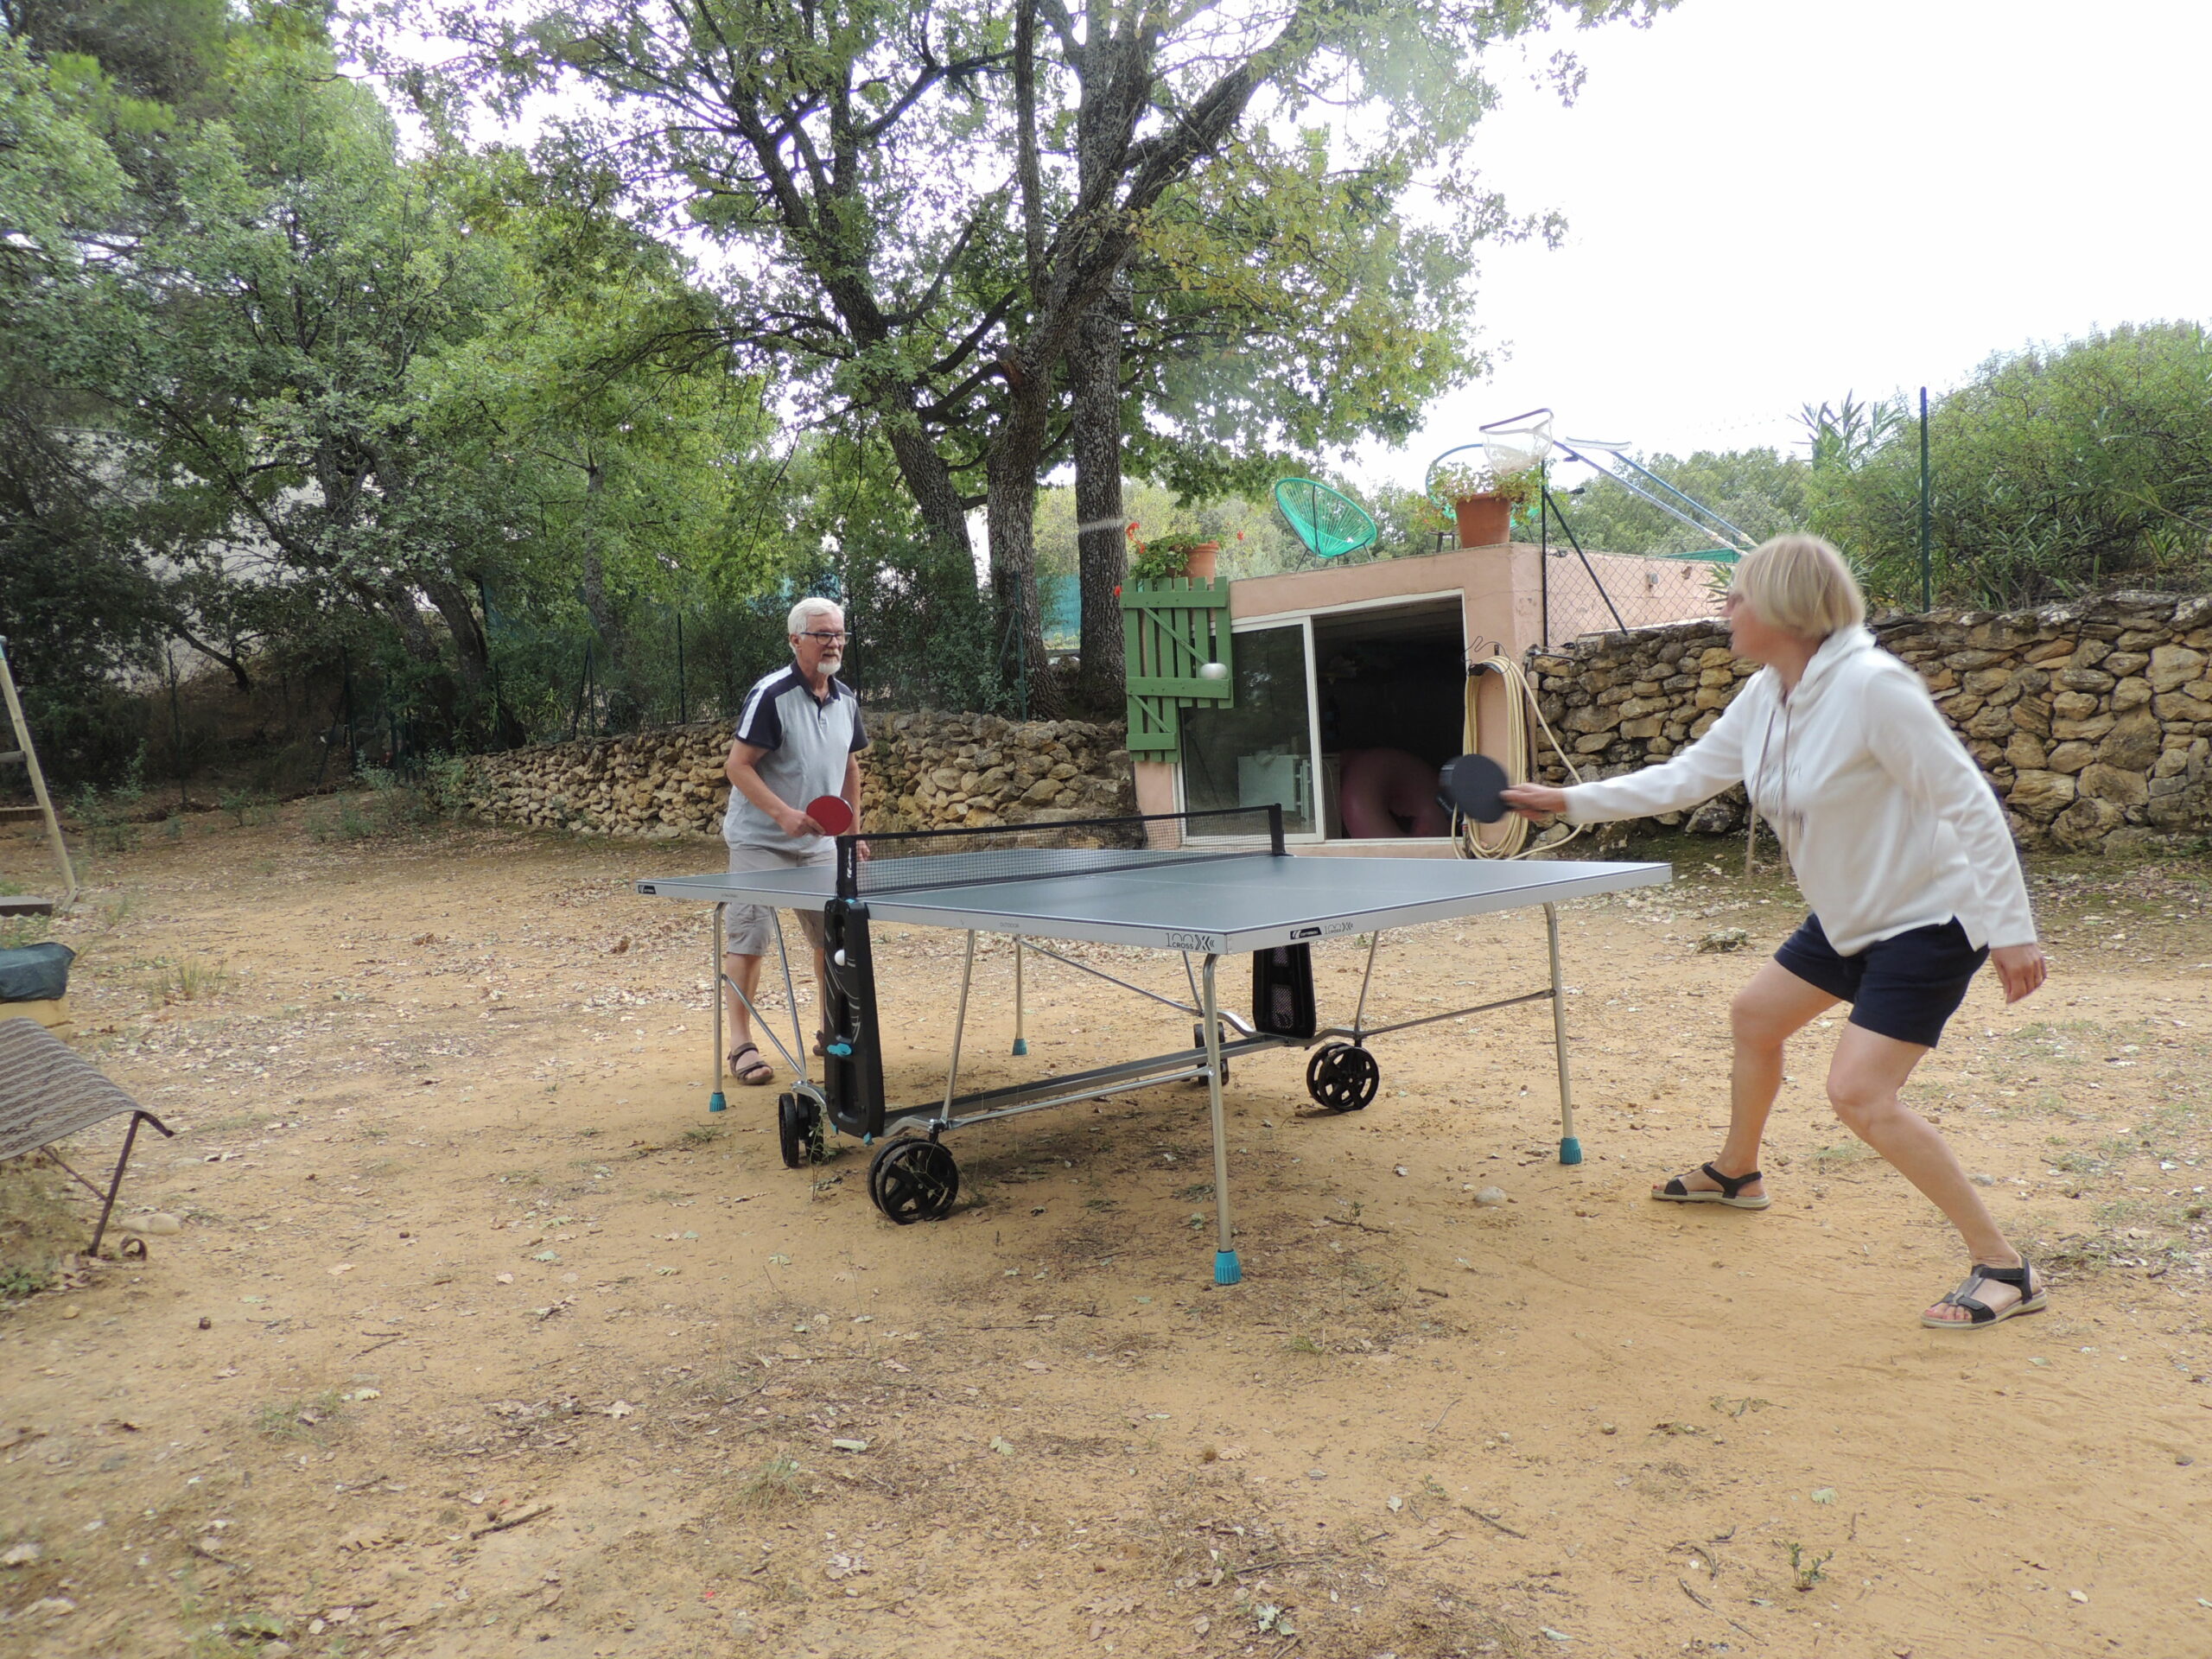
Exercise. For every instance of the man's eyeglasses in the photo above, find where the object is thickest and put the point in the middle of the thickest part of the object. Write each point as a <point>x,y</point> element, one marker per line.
<point>827,638</point>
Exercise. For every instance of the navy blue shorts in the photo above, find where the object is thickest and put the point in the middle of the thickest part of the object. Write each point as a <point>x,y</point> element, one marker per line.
<point>1905,987</point>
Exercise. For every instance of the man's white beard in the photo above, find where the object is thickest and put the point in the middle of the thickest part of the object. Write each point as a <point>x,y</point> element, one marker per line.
<point>831,662</point>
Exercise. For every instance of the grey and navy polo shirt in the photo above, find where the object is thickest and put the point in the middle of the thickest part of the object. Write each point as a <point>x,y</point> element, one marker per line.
<point>807,739</point>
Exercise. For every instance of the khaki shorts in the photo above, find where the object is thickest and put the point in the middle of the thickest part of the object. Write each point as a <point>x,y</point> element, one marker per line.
<point>749,930</point>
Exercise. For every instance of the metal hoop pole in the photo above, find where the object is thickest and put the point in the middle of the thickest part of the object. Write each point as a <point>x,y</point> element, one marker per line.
<point>1226,1268</point>
<point>1570,1149</point>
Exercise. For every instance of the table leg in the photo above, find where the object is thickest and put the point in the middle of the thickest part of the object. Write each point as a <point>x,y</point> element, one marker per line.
<point>716,1101</point>
<point>959,1031</point>
<point>797,1056</point>
<point>1570,1149</point>
<point>1020,1040</point>
<point>1226,1269</point>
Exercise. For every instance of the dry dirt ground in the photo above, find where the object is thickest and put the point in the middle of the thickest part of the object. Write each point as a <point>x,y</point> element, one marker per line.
<point>481,1336</point>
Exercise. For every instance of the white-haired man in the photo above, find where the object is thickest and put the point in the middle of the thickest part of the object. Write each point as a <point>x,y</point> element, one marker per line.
<point>799,737</point>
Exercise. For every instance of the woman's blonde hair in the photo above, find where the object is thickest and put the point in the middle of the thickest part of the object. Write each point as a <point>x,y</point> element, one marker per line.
<point>1801,584</point>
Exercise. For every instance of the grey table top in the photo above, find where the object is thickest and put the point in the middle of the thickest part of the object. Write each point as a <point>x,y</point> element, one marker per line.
<point>1218,903</point>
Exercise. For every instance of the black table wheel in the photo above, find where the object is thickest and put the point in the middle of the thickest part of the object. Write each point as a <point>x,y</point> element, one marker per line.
<point>798,1130</point>
<point>912,1180</point>
<point>1341,1077</point>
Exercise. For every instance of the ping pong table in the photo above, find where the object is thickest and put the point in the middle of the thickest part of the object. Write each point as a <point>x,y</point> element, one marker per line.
<point>1201,889</point>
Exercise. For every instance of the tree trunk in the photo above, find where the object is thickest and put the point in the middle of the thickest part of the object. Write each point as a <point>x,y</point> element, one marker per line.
<point>1015,454</point>
<point>1102,548</point>
<point>945,516</point>
<point>472,650</point>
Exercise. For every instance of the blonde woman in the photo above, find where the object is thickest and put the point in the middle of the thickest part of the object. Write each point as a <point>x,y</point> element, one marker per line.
<point>1901,848</point>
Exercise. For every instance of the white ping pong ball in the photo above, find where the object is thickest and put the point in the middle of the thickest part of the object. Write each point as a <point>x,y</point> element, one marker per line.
<point>1213,670</point>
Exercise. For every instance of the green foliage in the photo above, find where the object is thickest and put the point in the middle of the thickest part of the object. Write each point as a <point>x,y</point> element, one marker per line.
<point>2055,471</point>
<point>1464,480</point>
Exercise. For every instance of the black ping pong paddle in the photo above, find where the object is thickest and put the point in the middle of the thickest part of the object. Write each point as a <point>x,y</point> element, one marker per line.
<point>1473,787</point>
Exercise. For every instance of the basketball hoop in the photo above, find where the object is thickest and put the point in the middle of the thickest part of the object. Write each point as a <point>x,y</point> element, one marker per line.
<point>1517,442</point>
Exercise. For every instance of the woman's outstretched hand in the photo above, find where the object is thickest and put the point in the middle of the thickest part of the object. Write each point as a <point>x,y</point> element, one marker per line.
<point>2021,967</point>
<point>1534,800</point>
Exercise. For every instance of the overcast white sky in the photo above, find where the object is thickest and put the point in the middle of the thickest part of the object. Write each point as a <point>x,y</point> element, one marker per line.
<point>1775,201</point>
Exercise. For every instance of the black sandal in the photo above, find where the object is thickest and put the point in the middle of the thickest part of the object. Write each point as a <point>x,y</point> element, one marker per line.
<point>758,1075</point>
<point>1978,1312</point>
<point>1731,1186</point>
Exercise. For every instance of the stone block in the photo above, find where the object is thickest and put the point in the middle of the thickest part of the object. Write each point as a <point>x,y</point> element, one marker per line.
<point>1713,697</point>
<point>2130,693</point>
<point>2085,679</point>
<point>2040,796</point>
<point>2133,742</point>
<point>2071,757</point>
<point>1993,722</point>
<point>1940,680</point>
<point>1715,657</point>
<point>2087,730</point>
<point>2188,807</point>
<point>1593,742</point>
<point>2185,705</point>
<point>1591,718</point>
<point>1649,726</point>
<point>2091,651</point>
<point>2074,705</point>
<point>1983,681</point>
<point>2122,664</point>
<point>2083,826</point>
<point>2174,666</point>
<point>2025,752</point>
<point>2112,783</point>
<point>2051,650</point>
<point>2032,716</point>
<point>1959,706</point>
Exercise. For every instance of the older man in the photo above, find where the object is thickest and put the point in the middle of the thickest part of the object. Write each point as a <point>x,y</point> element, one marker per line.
<point>799,737</point>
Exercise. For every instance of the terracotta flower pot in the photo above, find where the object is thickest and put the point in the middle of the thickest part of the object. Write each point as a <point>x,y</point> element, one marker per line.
<point>1484,519</point>
<point>1204,560</point>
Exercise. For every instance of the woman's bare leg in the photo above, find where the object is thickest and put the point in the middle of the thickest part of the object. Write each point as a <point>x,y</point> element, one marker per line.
<point>1864,1079</point>
<point>1763,1017</point>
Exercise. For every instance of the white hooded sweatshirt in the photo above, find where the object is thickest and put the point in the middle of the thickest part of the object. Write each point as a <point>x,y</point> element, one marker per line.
<point>1889,823</point>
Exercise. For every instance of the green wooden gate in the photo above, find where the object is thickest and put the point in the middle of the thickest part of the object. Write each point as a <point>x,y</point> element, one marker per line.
<point>1168,629</point>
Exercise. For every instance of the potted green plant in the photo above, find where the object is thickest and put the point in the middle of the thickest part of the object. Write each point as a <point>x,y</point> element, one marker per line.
<point>1174,554</point>
<point>1483,500</point>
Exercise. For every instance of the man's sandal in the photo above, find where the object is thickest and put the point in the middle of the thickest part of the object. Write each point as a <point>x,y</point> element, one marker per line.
<point>1731,1187</point>
<point>1978,1312</point>
<point>754,1075</point>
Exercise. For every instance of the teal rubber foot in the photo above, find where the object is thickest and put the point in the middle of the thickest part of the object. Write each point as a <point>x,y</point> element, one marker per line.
<point>716,1104</point>
<point>1570,1150</point>
<point>1225,1269</point>
<point>1021,1045</point>
<point>842,1051</point>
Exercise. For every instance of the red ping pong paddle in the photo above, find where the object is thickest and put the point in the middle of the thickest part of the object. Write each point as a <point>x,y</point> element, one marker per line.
<point>833,812</point>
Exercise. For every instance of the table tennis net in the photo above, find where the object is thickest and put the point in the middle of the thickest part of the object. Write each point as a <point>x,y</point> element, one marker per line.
<point>907,861</point>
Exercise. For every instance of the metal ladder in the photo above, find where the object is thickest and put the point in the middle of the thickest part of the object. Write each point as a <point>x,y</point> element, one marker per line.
<point>25,755</point>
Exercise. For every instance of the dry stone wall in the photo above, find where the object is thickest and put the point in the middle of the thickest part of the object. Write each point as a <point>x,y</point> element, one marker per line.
<point>2093,719</point>
<point>923,770</point>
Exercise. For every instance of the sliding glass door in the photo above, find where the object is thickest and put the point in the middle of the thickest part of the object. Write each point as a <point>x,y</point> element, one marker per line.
<point>1260,749</point>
